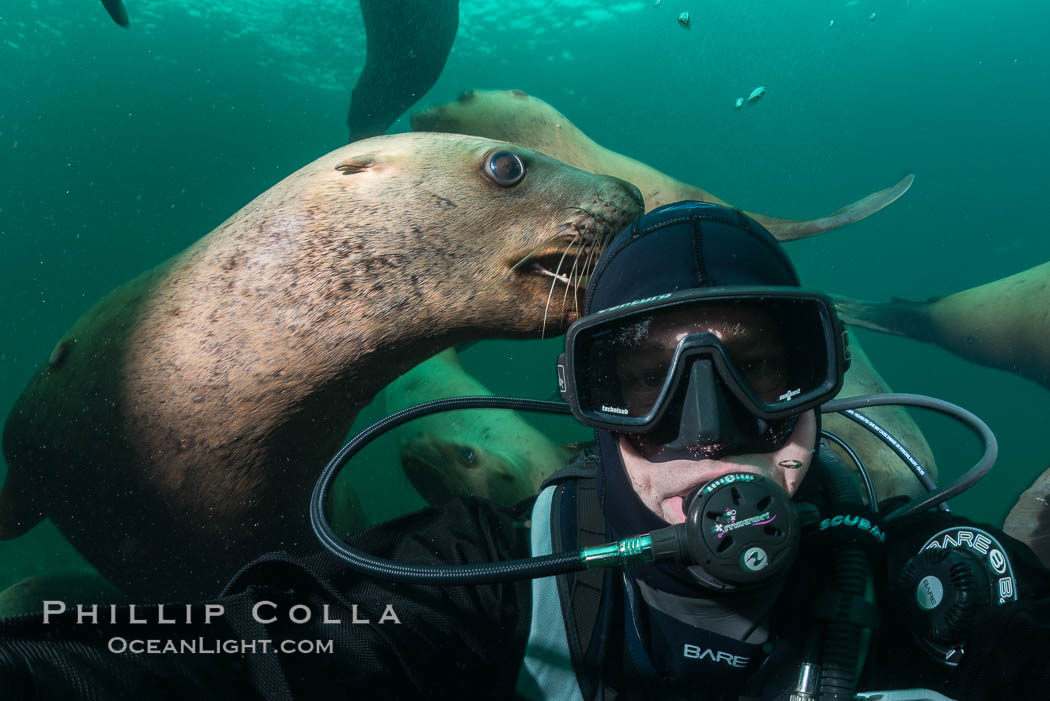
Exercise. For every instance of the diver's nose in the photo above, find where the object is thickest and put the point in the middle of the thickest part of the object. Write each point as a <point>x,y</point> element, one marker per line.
<point>704,406</point>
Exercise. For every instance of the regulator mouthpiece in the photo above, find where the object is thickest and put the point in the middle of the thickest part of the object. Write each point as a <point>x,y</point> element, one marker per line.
<point>741,532</point>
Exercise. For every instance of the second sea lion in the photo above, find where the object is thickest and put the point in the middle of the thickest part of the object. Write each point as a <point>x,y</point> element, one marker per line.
<point>514,116</point>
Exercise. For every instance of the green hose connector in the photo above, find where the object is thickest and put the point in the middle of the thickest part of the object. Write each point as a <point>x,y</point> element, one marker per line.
<point>639,548</point>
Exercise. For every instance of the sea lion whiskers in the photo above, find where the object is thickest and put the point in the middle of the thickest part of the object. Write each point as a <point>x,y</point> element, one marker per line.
<point>574,282</point>
<point>578,231</point>
<point>557,277</point>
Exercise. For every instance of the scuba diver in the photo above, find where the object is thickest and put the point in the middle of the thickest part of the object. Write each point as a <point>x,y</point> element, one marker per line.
<point>702,366</point>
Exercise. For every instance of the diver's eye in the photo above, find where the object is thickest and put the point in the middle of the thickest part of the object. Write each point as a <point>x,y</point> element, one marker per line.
<point>466,454</point>
<point>504,168</point>
<point>653,380</point>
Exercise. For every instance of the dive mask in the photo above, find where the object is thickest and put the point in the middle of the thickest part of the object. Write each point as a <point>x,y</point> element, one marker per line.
<point>777,351</point>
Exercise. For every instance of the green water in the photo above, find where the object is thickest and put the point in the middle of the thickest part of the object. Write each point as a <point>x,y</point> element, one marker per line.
<point>121,147</point>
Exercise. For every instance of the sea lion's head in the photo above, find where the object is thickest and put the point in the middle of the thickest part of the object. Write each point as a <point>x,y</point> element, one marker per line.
<point>442,470</point>
<point>465,233</point>
<point>508,115</point>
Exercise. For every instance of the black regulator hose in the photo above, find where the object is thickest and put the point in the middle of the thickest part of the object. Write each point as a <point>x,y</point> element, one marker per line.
<point>851,569</point>
<point>962,483</point>
<point>869,486</point>
<point>647,546</point>
<point>360,561</point>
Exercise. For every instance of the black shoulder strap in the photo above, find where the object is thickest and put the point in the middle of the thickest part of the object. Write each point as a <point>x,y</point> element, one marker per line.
<point>583,465</point>
<point>578,522</point>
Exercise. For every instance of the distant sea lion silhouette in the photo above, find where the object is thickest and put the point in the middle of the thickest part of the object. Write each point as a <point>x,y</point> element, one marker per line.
<point>117,11</point>
<point>408,42</point>
<point>514,116</point>
<point>179,428</point>
<point>1003,324</point>
<point>1029,519</point>
<point>492,453</point>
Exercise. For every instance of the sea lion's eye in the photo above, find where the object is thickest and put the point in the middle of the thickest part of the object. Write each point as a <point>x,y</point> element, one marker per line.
<point>466,454</point>
<point>504,168</point>
<point>466,96</point>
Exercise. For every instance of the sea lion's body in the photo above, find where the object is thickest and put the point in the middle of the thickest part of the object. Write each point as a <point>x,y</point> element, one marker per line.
<point>182,421</point>
<point>1003,324</point>
<point>1029,519</point>
<point>514,116</point>
<point>890,475</point>
<point>492,453</point>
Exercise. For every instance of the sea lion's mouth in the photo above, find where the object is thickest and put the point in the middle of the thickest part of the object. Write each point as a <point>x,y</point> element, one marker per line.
<point>563,267</point>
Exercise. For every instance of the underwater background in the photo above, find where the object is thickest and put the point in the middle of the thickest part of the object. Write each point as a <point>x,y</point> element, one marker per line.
<point>118,148</point>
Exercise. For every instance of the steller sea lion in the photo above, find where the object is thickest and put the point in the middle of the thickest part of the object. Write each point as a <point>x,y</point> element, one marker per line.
<point>492,453</point>
<point>514,116</point>
<point>1003,324</point>
<point>180,430</point>
<point>1029,520</point>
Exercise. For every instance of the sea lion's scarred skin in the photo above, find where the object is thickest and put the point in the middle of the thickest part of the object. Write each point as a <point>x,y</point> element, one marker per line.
<point>514,116</point>
<point>1002,324</point>
<point>190,411</point>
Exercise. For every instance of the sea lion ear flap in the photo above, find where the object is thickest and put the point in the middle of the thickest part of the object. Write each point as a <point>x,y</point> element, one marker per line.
<point>357,164</point>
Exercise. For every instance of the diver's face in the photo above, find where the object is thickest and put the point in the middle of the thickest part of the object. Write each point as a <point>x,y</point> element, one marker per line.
<point>747,334</point>
<point>662,486</point>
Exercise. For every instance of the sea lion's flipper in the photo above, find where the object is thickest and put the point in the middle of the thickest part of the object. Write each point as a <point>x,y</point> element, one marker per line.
<point>116,10</point>
<point>19,511</point>
<point>1029,520</point>
<point>790,229</point>
<point>900,317</point>
<point>408,42</point>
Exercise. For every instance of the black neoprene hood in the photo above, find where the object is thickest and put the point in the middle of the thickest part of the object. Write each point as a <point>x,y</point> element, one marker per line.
<point>683,246</point>
<point>680,246</point>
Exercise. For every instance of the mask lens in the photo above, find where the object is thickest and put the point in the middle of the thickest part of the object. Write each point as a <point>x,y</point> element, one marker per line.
<point>773,352</point>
